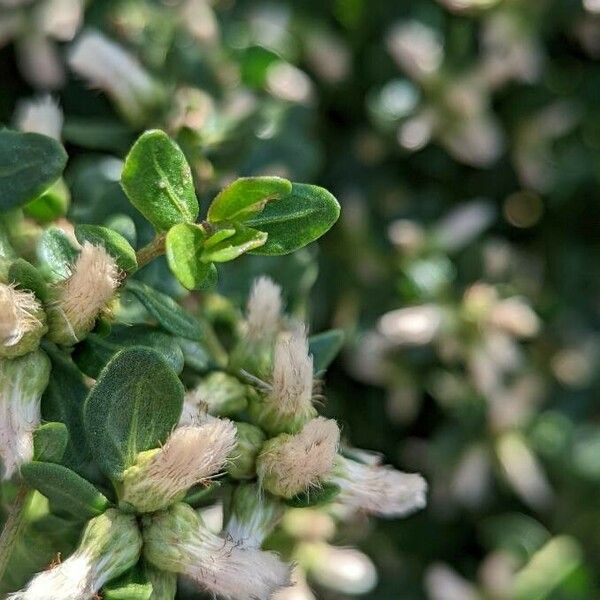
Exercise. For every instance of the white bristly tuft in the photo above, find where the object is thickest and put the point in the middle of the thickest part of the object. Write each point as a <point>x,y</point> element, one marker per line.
<point>218,566</point>
<point>72,579</point>
<point>291,464</point>
<point>379,490</point>
<point>263,311</point>
<point>191,455</point>
<point>291,389</point>
<point>18,310</point>
<point>41,114</point>
<point>89,289</point>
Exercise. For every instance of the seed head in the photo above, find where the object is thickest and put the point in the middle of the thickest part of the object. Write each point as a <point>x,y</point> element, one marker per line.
<point>263,311</point>
<point>291,464</point>
<point>190,456</point>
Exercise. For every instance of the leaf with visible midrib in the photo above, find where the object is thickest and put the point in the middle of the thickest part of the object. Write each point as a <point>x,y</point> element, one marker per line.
<point>133,407</point>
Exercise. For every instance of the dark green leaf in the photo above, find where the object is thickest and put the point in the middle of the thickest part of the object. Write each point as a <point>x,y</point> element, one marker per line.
<point>296,220</point>
<point>116,245</point>
<point>56,252</point>
<point>183,249</point>
<point>29,164</point>
<point>65,489</point>
<point>158,181</point>
<point>325,347</point>
<point>246,197</point>
<point>244,240</point>
<point>133,407</point>
<point>95,351</point>
<point>50,442</point>
<point>26,276</point>
<point>166,311</point>
<point>134,585</point>
<point>315,497</point>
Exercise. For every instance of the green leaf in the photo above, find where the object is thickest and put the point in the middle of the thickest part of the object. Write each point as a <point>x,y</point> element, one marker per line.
<point>325,347</point>
<point>296,220</point>
<point>63,402</point>
<point>184,244</point>
<point>158,181</point>
<point>51,205</point>
<point>166,311</point>
<point>316,497</point>
<point>56,252</point>
<point>65,489</point>
<point>26,276</point>
<point>134,585</point>
<point>244,240</point>
<point>133,407</point>
<point>50,442</point>
<point>116,245</point>
<point>29,164</point>
<point>95,351</point>
<point>246,197</point>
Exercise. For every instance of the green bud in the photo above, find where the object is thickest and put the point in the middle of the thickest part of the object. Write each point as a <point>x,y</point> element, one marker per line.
<point>22,321</point>
<point>249,441</point>
<point>254,514</point>
<point>224,394</point>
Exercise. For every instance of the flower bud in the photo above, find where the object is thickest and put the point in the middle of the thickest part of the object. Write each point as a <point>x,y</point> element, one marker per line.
<point>22,321</point>
<point>291,464</point>
<point>263,319</point>
<point>110,546</point>
<point>22,383</point>
<point>190,456</point>
<point>253,515</point>
<point>223,394</point>
<point>83,295</point>
<point>287,405</point>
<point>111,68</point>
<point>248,443</point>
<point>177,541</point>
<point>378,489</point>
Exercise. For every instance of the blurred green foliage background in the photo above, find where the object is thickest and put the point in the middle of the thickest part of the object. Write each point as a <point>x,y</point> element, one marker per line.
<point>462,138</point>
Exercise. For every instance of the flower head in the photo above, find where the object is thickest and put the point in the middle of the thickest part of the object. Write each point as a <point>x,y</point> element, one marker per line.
<point>110,545</point>
<point>288,402</point>
<point>379,489</point>
<point>22,321</point>
<point>177,541</point>
<point>291,464</point>
<point>40,115</point>
<point>190,456</point>
<point>22,383</point>
<point>82,296</point>
<point>263,311</point>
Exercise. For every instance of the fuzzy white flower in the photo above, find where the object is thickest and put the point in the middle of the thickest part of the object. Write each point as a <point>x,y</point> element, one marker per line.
<point>263,310</point>
<point>22,383</point>
<point>41,114</point>
<point>377,489</point>
<point>178,541</point>
<point>291,464</point>
<point>191,455</point>
<point>22,321</point>
<point>108,66</point>
<point>109,546</point>
<point>83,295</point>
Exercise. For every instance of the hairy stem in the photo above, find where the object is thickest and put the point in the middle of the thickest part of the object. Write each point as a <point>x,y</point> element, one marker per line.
<point>151,251</point>
<point>13,525</point>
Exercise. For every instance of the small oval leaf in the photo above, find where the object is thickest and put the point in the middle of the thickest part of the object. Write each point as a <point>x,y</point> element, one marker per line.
<point>26,276</point>
<point>296,220</point>
<point>50,442</point>
<point>244,240</point>
<point>65,490</point>
<point>29,164</point>
<point>246,197</point>
<point>116,245</point>
<point>56,253</point>
<point>133,407</point>
<point>325,347</point>
<point>158,181</point>
<point>184,244</point>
